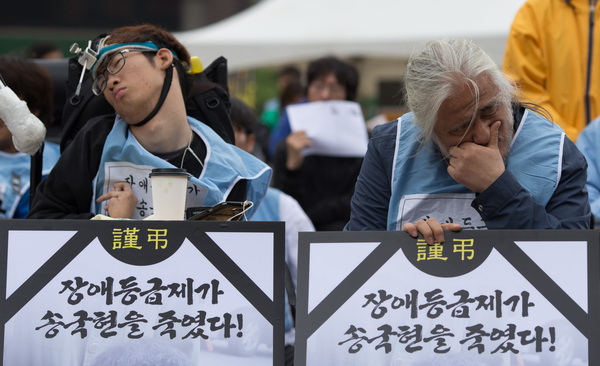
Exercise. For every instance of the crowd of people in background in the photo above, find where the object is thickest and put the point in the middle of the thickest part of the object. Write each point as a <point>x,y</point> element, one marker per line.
<point>534,60</point>
<point>511,147</point>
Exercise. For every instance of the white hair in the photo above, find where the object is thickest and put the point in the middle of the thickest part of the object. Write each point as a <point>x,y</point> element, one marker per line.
<point>439,70</point>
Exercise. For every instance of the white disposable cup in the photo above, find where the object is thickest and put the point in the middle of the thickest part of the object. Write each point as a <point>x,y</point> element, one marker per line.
<point>169,186</point>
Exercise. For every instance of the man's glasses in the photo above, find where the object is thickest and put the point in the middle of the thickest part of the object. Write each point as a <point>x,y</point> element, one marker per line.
<point>113,66</point>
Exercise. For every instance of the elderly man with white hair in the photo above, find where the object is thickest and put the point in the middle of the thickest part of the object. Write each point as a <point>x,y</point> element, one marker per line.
<point>469,155</point>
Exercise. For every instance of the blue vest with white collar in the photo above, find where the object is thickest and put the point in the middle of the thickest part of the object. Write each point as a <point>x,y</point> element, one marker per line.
<point>421,184</point>
<point>124,159</point>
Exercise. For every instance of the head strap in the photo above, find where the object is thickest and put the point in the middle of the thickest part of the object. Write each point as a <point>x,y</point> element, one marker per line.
<point>106,51</point>
<point>161,99</point>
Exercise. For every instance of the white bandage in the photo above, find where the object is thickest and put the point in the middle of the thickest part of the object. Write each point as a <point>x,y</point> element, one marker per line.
<point>27,130</point>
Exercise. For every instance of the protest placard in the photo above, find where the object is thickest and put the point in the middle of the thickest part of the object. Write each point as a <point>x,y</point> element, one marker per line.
<point>481,298</point>
<point>123,292</point>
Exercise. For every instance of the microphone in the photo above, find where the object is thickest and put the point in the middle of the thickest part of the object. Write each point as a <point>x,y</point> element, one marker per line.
<point>28,132</point>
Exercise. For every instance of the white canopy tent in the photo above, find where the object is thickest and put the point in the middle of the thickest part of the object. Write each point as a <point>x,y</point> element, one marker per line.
<point>274,32</point>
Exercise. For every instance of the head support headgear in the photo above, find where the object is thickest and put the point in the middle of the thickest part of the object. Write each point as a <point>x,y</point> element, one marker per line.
<point>97,52</point>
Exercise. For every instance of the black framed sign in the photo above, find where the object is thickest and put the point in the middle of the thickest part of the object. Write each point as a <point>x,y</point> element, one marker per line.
<point>481,298</point>
<point>123,292</point>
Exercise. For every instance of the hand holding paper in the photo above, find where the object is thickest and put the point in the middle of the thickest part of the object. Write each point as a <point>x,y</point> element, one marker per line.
<point>335,128</point>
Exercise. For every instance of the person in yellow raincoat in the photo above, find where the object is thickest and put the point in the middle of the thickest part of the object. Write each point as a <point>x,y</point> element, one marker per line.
<point>550,53</point>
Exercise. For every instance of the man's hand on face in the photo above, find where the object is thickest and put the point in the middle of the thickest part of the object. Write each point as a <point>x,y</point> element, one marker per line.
<point>477,166</point>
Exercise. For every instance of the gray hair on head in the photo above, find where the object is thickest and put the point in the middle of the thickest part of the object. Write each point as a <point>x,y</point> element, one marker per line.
<point>443,66</point>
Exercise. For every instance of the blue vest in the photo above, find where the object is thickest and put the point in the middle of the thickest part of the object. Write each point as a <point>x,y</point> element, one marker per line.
<point>269,208</point>
<point>14,180</point>
<point>124,159</point>
<point>420,178</point>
